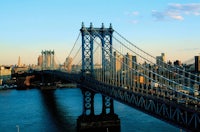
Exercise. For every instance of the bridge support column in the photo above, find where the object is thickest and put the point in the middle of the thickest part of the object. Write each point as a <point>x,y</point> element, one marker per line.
<point>105,122</point>
<point>88,102</point>
<point>107,104</point>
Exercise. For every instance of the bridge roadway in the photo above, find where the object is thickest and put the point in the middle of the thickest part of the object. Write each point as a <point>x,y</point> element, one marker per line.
<point>166,108</point>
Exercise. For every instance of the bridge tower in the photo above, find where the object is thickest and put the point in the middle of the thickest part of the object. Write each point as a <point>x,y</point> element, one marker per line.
<point>88,36</point>
<point>47,59</point>
<point>107,120</point>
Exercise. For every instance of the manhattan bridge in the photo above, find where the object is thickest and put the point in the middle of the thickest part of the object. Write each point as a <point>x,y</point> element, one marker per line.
<point>108,63</point>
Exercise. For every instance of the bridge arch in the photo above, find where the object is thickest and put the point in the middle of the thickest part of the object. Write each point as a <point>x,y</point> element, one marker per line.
<point>88,36</point>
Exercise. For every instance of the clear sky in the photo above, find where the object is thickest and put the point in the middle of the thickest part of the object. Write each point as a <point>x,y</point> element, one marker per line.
<point>29,26</point>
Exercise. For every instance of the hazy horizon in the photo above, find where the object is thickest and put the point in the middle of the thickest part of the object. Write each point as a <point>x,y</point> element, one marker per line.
<point>28,27</point>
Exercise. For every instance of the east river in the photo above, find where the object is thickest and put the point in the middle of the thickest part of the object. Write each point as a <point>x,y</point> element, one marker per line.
<point>36,111</point>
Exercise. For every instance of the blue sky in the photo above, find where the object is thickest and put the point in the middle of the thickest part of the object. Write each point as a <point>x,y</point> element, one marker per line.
<point>29,26</point>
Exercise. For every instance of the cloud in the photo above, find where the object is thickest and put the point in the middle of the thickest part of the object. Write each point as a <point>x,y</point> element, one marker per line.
<point>177,11</point>
<point>134,21</point>
<point>134,15</point>
<point>174,15</point>
<point>189,49</point>
<point>158,15</point>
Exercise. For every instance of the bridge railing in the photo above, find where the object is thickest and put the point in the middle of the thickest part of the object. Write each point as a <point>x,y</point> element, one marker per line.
<point>135,70</point>
<point>149,76</point>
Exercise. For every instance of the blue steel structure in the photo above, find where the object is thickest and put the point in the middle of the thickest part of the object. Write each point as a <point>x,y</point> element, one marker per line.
<point>158,93</point>
<point>88,36</point>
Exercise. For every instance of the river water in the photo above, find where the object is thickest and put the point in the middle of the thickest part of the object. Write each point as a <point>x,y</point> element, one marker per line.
<point>56,111</point>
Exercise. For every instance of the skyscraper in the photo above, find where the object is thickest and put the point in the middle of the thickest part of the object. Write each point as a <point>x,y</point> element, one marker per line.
<point>197,63</point>
<point>40,60</point>
<point>19,62</point>
<point>160,59</point>
<point>68,64</point>
<point>129,61</point>
<point>117,62</point>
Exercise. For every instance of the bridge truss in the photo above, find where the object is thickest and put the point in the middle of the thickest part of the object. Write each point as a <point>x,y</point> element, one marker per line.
<point>136,78</point>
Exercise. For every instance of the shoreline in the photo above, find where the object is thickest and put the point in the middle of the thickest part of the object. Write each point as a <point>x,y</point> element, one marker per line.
<point>38,86</point>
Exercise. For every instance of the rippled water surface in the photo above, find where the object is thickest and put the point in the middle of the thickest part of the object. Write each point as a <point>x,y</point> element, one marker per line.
<point>54,111</point>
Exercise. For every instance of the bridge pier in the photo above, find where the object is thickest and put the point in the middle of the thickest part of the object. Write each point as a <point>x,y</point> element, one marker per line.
<point>107,105</point>
<point>107,121</point>
<point>88,102</point>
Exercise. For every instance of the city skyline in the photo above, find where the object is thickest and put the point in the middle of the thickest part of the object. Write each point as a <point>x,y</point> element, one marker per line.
<point>28,27</point>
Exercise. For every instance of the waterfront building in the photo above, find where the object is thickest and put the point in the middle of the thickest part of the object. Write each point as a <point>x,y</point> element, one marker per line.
<point>5,72</point>
<point>20,70</point>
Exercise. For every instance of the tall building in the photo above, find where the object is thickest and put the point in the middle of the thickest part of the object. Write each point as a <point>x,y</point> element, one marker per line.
<point>117,62</point>
<point>134,59</point>
<point>68,64</point>
<point>19,62</point>
<point>177,63</point>
<point>40,60</point>
<point>127,66</point>
<point>160,59</point>
<point>197,63</point>
<point>129,61</point>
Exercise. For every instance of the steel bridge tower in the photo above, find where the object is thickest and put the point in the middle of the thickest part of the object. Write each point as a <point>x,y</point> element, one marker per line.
<point>88,117</point>
<point>47,59</point>
<point>88,36</point>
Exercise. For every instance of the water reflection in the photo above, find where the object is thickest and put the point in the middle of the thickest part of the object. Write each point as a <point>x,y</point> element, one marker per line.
<point>106,121</point>
<point>59,115</point>
<point>57,112</point>
<point>37,111</point>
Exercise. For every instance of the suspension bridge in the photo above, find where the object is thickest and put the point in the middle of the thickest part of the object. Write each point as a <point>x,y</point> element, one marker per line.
<point>106,62</point>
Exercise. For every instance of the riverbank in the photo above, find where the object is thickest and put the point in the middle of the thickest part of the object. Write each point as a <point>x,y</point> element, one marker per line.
<point>51,86</point>
<point>39,86</point>
<point>6,87</point>
<point>67,85</point>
